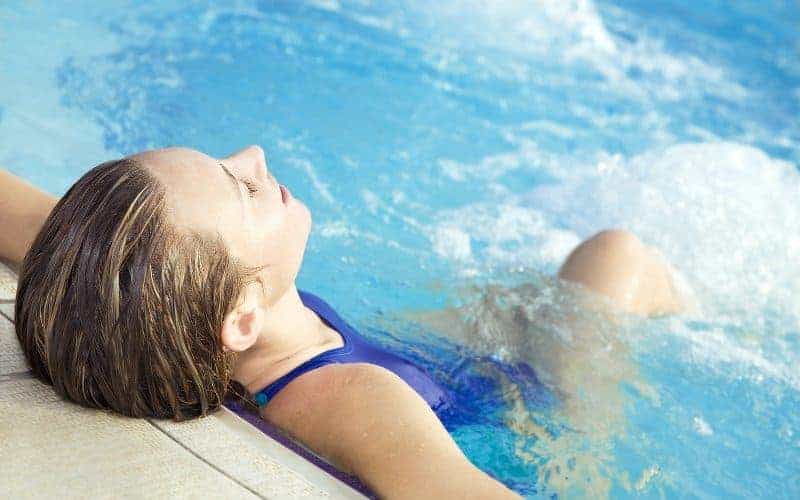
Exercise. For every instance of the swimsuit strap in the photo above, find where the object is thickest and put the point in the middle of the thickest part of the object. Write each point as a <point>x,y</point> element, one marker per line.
<point>329,316</point>
<point>357,349</point>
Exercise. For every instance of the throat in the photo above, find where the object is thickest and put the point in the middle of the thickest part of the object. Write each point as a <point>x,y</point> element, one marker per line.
<point>329,339</point>
<point>269,368</point>
<point>294,338</point>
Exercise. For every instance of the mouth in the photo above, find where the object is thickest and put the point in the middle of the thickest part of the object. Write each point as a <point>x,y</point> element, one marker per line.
<point>286,195</point>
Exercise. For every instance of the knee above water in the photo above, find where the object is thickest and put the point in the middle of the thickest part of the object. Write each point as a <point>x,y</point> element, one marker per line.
<point>617,240</point>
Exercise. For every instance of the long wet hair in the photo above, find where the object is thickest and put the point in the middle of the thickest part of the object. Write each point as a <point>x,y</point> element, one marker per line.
<point>120,310</point>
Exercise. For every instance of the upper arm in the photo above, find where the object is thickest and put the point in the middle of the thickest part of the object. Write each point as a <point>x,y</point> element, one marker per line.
<point>368,421</point>
<point>23,210</point>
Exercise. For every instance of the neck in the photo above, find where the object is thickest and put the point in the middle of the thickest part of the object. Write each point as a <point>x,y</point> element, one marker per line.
<point>291,334</point>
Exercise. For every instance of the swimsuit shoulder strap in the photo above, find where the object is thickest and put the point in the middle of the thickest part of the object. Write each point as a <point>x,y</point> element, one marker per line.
<point>327,313</point>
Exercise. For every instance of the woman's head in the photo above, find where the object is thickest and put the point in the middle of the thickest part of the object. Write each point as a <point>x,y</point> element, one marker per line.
<point>131,297</point>
<point>237,199</point>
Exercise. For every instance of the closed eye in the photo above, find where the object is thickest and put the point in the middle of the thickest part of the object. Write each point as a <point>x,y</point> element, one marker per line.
<point>252,187</point>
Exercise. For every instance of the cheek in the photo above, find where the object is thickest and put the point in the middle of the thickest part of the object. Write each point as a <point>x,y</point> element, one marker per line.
<point>293,243</point>
<point>304,221</point>
<point>281,248</point>
<point>303,230</point>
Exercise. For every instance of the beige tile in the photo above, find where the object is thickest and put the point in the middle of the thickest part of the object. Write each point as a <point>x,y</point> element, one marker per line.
<point>241,458</point>
<point>11,358</point>
<point>8,287</point>
<point>259,461</point>
<point>53,449</point>
<point>8,283</point>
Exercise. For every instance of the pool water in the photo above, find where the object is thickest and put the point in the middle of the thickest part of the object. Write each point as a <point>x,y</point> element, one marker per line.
<point>452,155</point>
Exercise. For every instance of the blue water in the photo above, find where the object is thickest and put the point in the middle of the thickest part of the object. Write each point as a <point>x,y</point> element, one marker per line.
<point>448,149</point>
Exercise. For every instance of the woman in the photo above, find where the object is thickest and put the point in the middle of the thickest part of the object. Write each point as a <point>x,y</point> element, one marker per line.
<point>160,278</point>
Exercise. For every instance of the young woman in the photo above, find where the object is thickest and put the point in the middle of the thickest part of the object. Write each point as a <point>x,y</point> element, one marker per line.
<point>160,279</point>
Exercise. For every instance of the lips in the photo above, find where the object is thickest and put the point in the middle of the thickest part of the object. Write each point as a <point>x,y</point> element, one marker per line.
<point>285,194</point>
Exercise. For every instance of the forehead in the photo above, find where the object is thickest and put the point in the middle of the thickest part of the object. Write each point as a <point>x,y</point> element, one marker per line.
<point>171,165</point>
<point>199,194</point>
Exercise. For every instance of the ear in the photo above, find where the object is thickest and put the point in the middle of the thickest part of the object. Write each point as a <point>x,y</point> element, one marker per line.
<point>242,325</point>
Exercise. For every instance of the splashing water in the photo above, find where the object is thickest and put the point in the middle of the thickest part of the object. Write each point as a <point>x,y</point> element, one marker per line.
<point>452,155</point>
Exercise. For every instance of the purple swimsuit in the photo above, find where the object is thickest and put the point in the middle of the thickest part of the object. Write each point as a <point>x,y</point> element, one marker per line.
<point>357,349</point>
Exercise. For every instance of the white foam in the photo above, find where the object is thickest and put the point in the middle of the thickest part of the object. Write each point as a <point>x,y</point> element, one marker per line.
<point>453,243</point>
<point>320,187</point>
<point>242,8</point>
<point>505,36</point>
<point>522,26</point>
<point>753,357</point>
<point>725,215</point>
<point>490,168</point>
<point>701,426</point>
<point>374,22</point>
<point>371,200</point>
<point>329,5</point>
<point>549,127</point>
<point>510,234</point>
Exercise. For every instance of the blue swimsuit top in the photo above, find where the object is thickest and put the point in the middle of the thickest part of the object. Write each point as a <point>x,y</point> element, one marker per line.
<point>357,349</point>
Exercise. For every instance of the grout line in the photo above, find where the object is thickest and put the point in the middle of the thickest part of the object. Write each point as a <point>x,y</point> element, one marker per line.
<point>200,457</point>
<point>6,317</point>
<point>28,374</point>
<point>7,377</point>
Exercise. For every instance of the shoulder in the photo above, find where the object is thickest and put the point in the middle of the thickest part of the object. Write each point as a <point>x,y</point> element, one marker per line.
<point>342,404</point>
<point>367,421</point>
<point>355,415</point>
<point>338,398</point>
<point>332,380</point>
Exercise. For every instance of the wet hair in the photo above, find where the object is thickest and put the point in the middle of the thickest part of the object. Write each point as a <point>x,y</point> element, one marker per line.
<point>118,309</point>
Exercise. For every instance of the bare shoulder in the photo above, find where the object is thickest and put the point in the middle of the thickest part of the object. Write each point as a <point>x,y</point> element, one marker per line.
<point>367,421</point>
<point>339,402</point>
<point>335,387</point>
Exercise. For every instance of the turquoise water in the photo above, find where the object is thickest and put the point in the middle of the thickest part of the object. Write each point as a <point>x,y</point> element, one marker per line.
<point>454,151</point>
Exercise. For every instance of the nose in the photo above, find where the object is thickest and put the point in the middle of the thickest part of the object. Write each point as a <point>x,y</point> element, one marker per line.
<point>251,161</point>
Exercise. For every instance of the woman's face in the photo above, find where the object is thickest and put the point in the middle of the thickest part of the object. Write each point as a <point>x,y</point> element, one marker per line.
<point>239,199</point>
